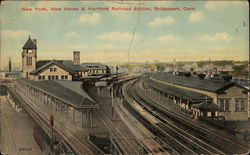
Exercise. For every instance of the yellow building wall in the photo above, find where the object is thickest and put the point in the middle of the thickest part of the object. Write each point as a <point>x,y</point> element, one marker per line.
<point>59,71</point>
<point>97,71</point>
<point>232,94</point>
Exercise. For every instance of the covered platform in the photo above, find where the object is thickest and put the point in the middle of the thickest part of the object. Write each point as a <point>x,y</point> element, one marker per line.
<point>204,109</point>
<point>188,100</point>
<point>63,96</point>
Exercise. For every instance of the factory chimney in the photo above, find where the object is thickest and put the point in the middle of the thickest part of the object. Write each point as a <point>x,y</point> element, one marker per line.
<point>76,57</point>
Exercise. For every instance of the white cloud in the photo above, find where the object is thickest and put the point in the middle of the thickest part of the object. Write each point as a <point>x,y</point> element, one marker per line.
<point>168,38</point>
<point>157,22</point>
<point>14,34</point>
<point>71,35</point>
<point>117,36</point>
<point>195,16</point>
<point>219,4</point>
<point>94,18</point>
<point>222,36</point>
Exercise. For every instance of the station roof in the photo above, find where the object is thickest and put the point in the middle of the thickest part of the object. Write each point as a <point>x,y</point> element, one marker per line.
<point>94,65</point>
<point>65,64</point>
<point>205,106</point>
<point>192,82</point>
<point>182,93</point>
<point>69,91</point>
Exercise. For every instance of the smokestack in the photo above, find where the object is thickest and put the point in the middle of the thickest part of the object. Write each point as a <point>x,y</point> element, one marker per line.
<point>76,57</point>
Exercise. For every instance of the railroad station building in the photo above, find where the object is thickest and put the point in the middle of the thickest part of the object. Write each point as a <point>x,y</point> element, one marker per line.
<point>58,69</point>
<point>207,98</point>
<point>68,98</point>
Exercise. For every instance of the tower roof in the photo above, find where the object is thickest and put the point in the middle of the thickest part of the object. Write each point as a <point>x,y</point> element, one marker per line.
<point>29,44</point>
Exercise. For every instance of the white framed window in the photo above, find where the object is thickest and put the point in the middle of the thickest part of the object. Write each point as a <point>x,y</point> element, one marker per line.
<point>240,104</point>
<point>224,104</point>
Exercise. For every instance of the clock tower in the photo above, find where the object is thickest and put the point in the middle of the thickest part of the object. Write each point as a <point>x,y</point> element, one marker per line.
<point>29,57</point>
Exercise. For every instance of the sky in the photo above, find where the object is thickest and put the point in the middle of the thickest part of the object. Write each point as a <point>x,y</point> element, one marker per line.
<point>211,29</point>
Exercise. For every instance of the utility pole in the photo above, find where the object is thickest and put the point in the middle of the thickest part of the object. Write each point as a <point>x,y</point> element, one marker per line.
<point>10,64</point>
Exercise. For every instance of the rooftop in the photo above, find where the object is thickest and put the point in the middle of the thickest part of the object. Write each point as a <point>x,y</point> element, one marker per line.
<point>94,65</point>
<point>192,82</point>
<point>65,64</point>
<point>69,91</point>
<point>185,94</point>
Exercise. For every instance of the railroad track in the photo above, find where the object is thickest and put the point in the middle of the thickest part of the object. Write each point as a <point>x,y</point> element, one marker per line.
<point>214,139</point>
<point>190,144</point>
<point>127,145</point>
<point>42,118</point>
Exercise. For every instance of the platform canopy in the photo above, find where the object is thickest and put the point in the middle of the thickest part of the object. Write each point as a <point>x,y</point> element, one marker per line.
<point>205,106</point>
<point>71,92</point>
<point>191,96</point>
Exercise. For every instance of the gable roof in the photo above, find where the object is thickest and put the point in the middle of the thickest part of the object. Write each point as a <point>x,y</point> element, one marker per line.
<point>53,62</point>
<point>182,93</point>
<point>69,91</point>
<point>29,44</point>
<point>68,63</point>
<point>192,82</point>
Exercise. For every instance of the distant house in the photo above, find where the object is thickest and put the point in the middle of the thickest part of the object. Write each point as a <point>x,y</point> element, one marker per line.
<point>56,69</point>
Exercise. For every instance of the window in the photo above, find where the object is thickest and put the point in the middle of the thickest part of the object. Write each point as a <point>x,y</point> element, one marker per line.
<point>43,77</point>
<point>56,77</point>
<point>53,69</point>
<point>29,61</point>
<point>239,105</point>
<point>221,105</point>
<point>40,77</point>
<point>224,104</point>
<point>64,77</point>
<point>242,105</point>
<point>49,77</point>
